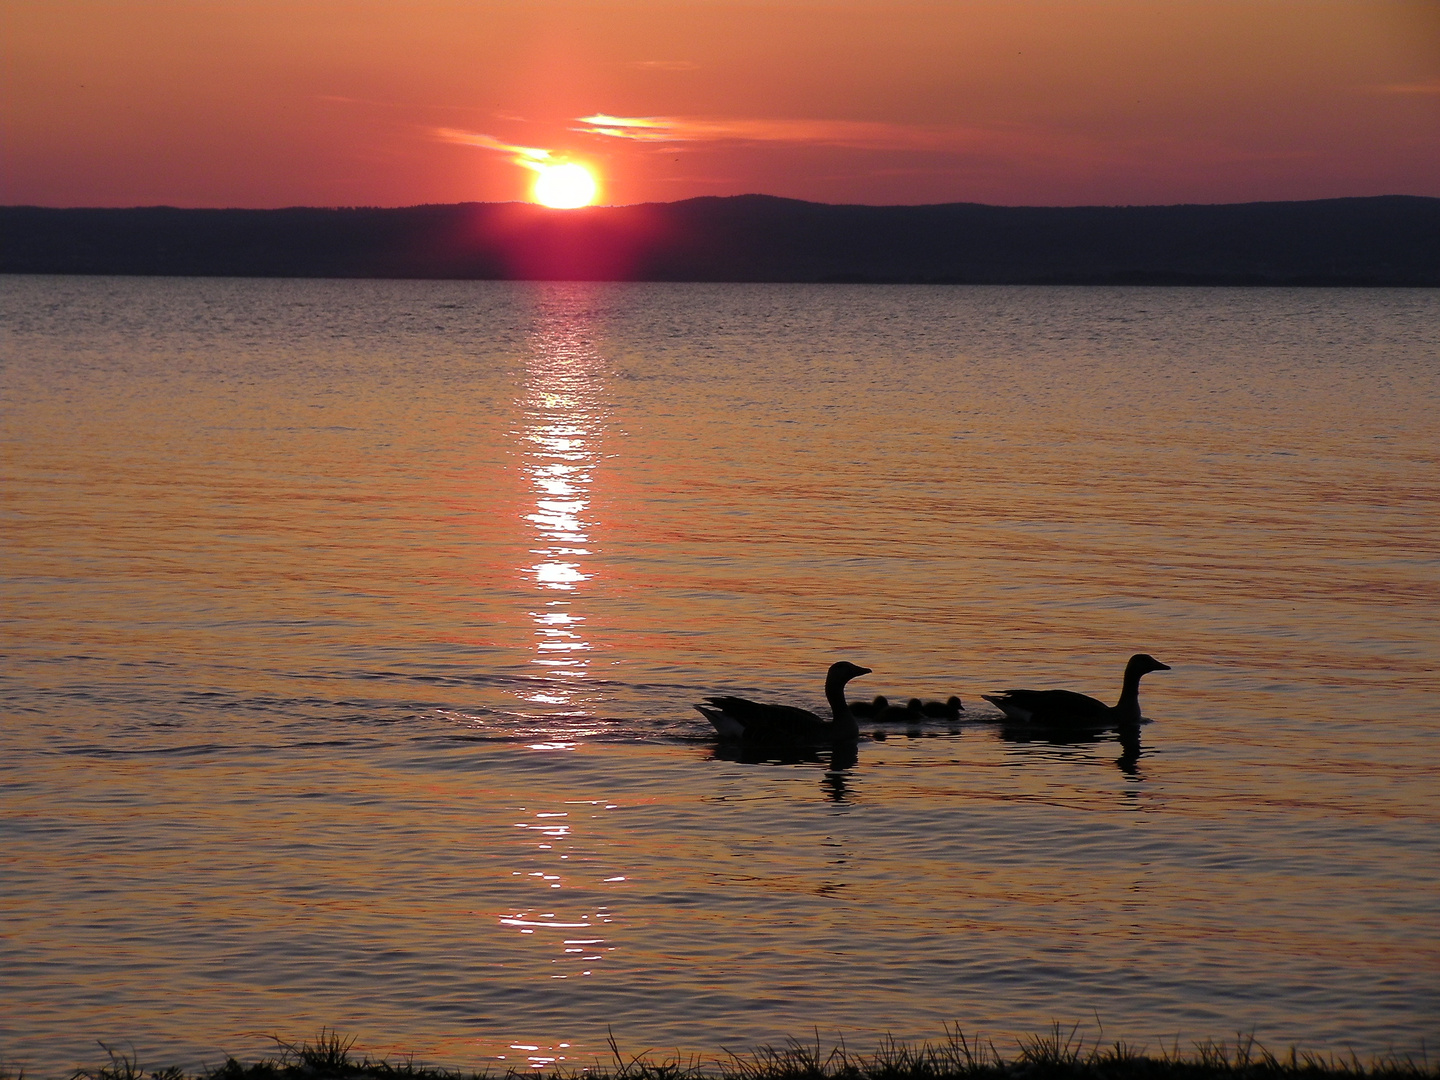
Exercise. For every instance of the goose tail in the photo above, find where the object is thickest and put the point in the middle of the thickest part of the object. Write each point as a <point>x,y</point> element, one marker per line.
<point>726,726</point>
<point>1008,707</point>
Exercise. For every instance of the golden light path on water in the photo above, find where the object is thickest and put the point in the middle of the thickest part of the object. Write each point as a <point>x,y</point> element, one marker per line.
<point>559,443</point>
<point>560,447</point>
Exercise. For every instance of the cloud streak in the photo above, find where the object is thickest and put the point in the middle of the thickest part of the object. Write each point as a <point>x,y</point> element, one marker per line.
<point>531,157</point>
<point>852,134</point>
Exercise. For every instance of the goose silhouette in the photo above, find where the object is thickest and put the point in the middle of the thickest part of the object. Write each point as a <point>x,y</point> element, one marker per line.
<point>1066,708</point>
<point>754,721</point>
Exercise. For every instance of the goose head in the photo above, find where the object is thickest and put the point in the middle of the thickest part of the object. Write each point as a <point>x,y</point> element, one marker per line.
<point>1143,664</point>
<point>841,672</point>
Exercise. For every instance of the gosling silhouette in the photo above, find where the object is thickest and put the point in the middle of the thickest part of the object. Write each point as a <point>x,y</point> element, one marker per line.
<point>912,712</point>
<point>1066,708</point>
<point>949,709</point>
<point>863,710</point>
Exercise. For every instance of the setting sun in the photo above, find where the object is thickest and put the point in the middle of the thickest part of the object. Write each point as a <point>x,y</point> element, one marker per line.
<point>564,187</point>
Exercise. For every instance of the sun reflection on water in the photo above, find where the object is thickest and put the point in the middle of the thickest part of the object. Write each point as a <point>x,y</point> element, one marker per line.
<point>560,441</point>
<point>569,925</point>
<point>564,423</point>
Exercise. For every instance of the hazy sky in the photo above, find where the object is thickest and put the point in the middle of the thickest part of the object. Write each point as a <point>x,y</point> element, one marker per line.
<point>396,102</point>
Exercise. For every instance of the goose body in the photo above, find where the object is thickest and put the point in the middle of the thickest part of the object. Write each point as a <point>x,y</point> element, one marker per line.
<point>737,718</point>
<point>1066,708</point>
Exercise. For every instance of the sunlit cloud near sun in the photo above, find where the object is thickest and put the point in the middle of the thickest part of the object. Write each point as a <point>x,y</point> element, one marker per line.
<point>559,184</point>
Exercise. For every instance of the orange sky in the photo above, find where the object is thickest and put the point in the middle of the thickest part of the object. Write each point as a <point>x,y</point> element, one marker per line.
<point>1052,102</point>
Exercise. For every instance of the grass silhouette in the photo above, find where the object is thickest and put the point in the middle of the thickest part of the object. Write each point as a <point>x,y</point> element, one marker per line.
<point>1060,1053</point>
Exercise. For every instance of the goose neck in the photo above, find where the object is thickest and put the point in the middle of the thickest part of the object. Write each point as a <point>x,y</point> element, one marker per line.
<point>1128,707</point>
<point>845,723</point>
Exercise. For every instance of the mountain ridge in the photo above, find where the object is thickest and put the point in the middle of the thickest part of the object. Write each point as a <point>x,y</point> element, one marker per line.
<point>1382,240</point>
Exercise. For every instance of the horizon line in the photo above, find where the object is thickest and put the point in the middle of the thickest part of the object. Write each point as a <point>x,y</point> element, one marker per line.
<point>718,198</point>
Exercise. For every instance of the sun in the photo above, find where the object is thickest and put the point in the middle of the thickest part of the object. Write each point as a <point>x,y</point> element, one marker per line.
<point>564,187</point>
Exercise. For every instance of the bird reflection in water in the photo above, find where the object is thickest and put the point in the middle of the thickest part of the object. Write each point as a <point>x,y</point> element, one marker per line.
<point>838,760</point>
<point>842,759</point>
<point>560,446</point>
<point>1128,736</point>
<point>1129,760</point>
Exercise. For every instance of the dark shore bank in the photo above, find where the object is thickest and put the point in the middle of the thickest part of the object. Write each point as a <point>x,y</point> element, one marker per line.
<point>1060,1054</point>
<point>1382,241</point>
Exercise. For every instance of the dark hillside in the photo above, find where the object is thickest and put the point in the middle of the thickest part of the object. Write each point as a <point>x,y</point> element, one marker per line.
<point>1391,240</point>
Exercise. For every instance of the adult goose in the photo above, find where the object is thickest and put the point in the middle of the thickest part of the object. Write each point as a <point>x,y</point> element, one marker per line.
<point>753,721</point>
<point>1065,708</point>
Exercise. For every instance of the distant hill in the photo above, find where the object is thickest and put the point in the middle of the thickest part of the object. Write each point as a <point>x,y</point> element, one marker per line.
<point>1389,240</point>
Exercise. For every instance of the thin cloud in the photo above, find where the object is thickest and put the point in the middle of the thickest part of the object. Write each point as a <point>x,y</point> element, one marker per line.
<point>665,65</point>
<point>960,147</point>
<point>531,157</point>
<point>961,150</point>
<point>853,134</point>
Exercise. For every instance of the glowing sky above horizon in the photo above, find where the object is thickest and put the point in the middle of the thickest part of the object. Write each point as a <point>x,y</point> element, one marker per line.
<point>260,103</point>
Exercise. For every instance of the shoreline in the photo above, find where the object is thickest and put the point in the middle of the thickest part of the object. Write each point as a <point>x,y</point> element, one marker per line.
<point>1060,1053</point>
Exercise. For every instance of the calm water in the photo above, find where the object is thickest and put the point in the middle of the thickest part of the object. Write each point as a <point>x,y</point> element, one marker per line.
<point>352,631</point>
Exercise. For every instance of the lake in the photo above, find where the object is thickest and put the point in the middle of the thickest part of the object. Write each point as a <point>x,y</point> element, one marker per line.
<point>353,631</point>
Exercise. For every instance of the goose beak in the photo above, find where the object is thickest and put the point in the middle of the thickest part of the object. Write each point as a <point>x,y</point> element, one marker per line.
<point>1161,667</point>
